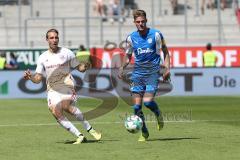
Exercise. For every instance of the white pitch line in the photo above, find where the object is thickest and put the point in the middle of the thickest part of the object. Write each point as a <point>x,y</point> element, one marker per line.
<point>26,124</point>
<point>116,122</point>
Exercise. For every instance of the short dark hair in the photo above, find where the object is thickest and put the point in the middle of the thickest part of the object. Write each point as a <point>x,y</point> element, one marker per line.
<point>209,46</point>
<point>51,30</point>
<point>139,13</point>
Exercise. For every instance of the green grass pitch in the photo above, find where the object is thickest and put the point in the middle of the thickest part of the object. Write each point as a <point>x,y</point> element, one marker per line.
<point>196,128</point>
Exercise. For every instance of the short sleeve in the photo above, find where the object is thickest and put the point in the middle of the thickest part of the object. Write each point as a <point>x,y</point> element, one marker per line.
<point>40,66</point>
<point>129,46</point>
<point>159,39</point>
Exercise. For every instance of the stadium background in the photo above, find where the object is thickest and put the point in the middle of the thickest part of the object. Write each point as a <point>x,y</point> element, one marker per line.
<point>208,96</point>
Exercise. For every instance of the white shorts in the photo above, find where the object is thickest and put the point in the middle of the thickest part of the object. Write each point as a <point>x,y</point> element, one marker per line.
<point>55,97</point>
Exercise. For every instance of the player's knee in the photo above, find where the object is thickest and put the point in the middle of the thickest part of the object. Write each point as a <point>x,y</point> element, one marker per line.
<point>51,108</point>
<point>56,112</point>
<point>151,104</point>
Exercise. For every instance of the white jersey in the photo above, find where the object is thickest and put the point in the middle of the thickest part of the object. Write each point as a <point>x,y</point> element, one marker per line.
<point>57,67</point>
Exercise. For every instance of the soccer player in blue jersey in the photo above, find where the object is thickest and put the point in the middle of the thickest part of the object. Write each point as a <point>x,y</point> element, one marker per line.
<point>146,45</point>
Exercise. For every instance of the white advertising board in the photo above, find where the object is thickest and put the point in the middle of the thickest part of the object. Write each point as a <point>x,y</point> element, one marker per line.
<point>184,82</point>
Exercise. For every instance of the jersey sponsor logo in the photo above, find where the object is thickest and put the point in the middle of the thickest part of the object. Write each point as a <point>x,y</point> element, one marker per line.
<point>147,50</point>
<point>56,65</point>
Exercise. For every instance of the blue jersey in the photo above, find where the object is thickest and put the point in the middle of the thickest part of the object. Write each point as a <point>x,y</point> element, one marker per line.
<point>146,51</point>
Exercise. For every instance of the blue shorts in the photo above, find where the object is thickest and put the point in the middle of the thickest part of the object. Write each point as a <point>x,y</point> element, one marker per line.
<point>143,84</point>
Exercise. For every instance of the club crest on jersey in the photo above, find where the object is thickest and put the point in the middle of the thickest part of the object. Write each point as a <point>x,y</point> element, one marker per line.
<point>149,40</point>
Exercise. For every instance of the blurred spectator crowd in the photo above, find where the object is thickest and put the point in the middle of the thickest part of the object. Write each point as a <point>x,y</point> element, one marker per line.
<point>205,4</point>
<point>14,2</point>
<point>9,63</point>
<point>115,10</point>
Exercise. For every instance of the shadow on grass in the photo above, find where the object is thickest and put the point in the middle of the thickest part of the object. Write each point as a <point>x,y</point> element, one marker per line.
<point>172,139</point>
<point>88,141</point>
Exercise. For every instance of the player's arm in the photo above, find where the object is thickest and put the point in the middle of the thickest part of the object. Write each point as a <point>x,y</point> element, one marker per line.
<point>80,62</point>
<point>84,60</point>
<point>35,78</point>
<point>166,63</point>
<point>126,60</point>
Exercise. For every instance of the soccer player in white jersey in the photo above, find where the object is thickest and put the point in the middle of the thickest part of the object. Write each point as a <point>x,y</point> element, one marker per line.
<point>145,43</point>
<point>56,63</point>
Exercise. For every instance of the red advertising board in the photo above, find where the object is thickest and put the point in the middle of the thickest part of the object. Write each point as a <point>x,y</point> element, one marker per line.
<point>227,56</point>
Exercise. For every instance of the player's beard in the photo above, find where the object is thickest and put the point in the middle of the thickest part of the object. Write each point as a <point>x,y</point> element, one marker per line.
<point>54,48</point>
<point>142,28</point>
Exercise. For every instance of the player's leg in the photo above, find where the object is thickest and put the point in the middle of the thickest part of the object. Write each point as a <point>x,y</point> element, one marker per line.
<point>152,105</point>
<point>65,123</point>
<point>149,102</point>
<point>55,107</point>
<point>69,106</point>
<point>137,107</point>
<point>148,99</point>
<point>137,88</point>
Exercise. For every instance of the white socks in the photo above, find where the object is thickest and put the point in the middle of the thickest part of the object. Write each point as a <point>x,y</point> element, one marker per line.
<point>65,123</point>
<point>79,116</point>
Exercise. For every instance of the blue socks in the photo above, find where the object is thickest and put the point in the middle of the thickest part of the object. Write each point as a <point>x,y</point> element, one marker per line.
<point>138,111</point>
<point>153,107</point>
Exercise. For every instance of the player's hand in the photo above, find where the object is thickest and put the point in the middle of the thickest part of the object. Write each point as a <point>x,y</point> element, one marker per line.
<point>120,73</point>
<point>27,74</point>
<point>88,65</point>
<point>166,73</point>
<point>83,67</point>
